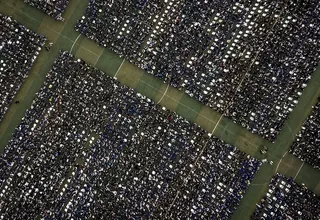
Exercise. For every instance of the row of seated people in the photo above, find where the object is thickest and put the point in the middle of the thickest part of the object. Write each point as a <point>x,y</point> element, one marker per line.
<point>247,59</point>
<point>53,8</point>
<point>306,145</point>
<point>89,147</point>
<point>19,48</point>
<point>286,199</point>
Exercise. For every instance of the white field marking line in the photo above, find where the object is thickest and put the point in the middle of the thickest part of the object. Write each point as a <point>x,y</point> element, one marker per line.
<point>98,57</point>
<point>119,67</point>
<point>177,101</point>
<point>290,130</point>
<point>289,165</point>
<point>74,43</point>
<point>49,28</point>
<point>89,51</point>
<point>224,129</point>
<point>298,171</point>
<point>231,102</point>
<point>164,94</point>
<point>280,161</point>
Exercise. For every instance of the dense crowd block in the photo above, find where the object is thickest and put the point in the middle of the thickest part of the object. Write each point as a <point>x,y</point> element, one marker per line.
<point>89,147</point>
<point>286,199</point>
<point>53,8</point>
<point>248,59</point>
<point>306,145</point>
<point>19,48</point>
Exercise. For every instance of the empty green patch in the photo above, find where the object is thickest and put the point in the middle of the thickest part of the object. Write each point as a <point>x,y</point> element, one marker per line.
<point>309,176</point>
<point>8,8</point>
<point>236,135</point>
<point>129,74</point>
<point>53,24</point>
<point>85,55</point>
<point>152,81</point>
<point>73,14</point>
<point>64,43</point>
<point>51,34</point>
<point>75,7</point>
<point>289,165</point>
<point>109,62</point>
<point>316,189</point>
<point>149,86</point>
<point>171,98</point>
<point>92,45</point>
<point>22,14</point>
<point>189,108</point>
<point>34,14</point>
<point>207,118</point>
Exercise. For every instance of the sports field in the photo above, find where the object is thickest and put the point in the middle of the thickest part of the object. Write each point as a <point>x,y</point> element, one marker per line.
<point>64,37</point>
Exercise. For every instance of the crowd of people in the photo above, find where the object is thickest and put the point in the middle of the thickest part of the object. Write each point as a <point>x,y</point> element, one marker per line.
<point>53,8</point>
<point>306,145</point>
<point>286,199</point>
<point>89,147</point>
<point>249,58</point>
<point>19,47</point>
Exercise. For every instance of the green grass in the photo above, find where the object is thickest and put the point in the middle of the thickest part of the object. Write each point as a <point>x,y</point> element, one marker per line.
<point>149,85</point>
<point>241,138</point>
<point>109,62</point>
<point>188,107</point>
<point>94,47</point>
<point>171,99</point>
<point>63,35</point>
<point>90,58</point>
<point>129,74</point>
